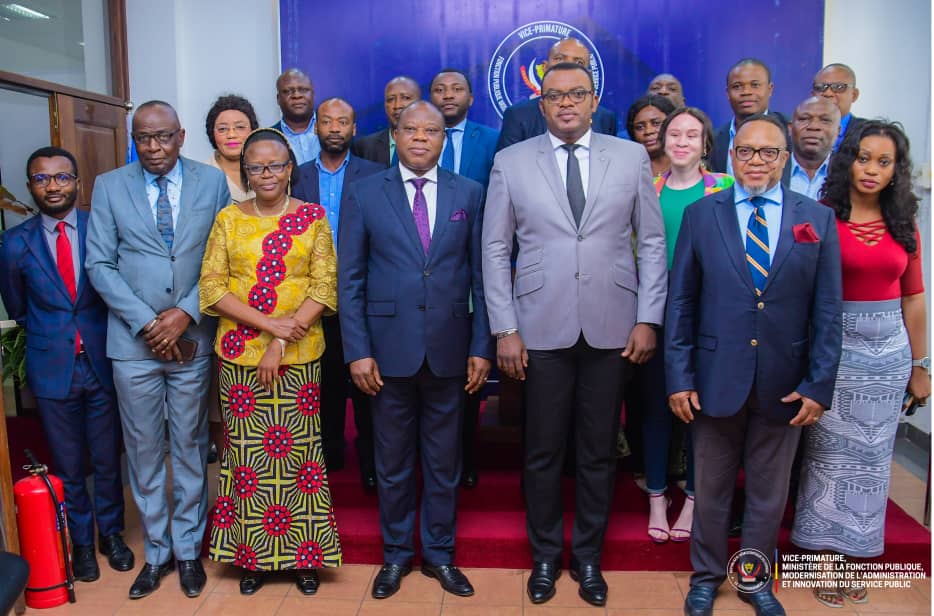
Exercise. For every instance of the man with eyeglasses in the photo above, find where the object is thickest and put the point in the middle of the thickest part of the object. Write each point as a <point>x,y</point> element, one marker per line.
<point>295,95</point>
<point>752,343</point>
<point>46,291</point>
<point>815,126</point>
<point>837,83</point>
<point>576,317</point>
<point>524,119</point>
<point>147,232</point>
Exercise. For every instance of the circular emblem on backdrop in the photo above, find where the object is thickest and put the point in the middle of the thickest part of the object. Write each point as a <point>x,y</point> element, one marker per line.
<point>749,571</point>
<point>518,64</point>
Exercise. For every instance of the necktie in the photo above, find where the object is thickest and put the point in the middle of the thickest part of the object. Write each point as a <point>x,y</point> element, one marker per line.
<point>757,244</point>
<point>164,213</point>
<point>575,185</point>
<point>420,213</point>
<point>447,159</point>
<point>66,268</point>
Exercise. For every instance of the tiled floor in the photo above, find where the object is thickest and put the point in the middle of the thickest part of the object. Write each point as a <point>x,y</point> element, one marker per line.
<point>500,592</point>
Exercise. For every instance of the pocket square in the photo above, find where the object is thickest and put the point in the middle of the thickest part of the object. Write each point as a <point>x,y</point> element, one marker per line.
<point>805,234</point>
<point>458,216</point>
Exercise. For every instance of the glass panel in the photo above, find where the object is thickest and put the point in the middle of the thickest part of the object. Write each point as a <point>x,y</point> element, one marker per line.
<point>24,126</point>
<point>63,41</point>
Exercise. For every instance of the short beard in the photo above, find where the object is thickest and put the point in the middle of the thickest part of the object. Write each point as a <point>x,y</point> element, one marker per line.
<point>54,211</point>
<point>755,191</point>
<point>330,149</point>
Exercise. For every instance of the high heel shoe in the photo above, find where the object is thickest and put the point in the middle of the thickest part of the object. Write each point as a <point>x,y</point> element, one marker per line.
<point>659,532</point>
<point>684,534</point>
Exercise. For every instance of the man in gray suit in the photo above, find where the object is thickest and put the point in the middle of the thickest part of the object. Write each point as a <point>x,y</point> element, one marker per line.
<point>146,235</point>
<point>576,316</point>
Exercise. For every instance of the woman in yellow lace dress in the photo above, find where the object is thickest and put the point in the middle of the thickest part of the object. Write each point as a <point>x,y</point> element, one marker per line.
<point>269,273</point>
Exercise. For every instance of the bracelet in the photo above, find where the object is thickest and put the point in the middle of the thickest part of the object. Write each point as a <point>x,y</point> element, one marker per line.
<point>505,333</point>
<point>283,344</point>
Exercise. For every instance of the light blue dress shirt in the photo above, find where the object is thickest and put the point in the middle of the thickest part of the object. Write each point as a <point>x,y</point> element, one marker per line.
<point>49,225</point>
<point>801,183</point>
<point>773,213</point>
<point>173,189</point>
<point>305,144</point>
<point>457,137</point>
<point>330,189</point>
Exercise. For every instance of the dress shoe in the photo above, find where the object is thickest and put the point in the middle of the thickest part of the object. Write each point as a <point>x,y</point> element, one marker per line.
<point>592,585</point>
<point>84,564</point>
<point>118,554</point>
<point>764,602</point>
<point>451,578</point>
<point>251,581</point>
<point>469,479</point>
<point>541,585</point>
<point>212,454</point>
<point>307,581</point>
<point>369,481</point>
<point>699,601</point>
<point>191,577</point>
<point>388,580</point>
<point>148,579</point>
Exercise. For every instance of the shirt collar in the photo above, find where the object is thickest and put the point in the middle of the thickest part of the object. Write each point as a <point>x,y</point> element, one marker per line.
<point>288,132</point>
<point>323,169</point>
<point>174,175</point>
<point>773,195</point>
<point>407,174</point>
<point>460,126</point>
<point>584,140</point>
<point>822,170</point>
<point>71,219</point>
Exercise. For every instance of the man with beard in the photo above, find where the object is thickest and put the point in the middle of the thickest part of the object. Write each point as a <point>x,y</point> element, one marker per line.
<point>325,180</point>
<point>815,125</point>
<point>380,147</point>
<point>296,97</point>
<point>46,290</point>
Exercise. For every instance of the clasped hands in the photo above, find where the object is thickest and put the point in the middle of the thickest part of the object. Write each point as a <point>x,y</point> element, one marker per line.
<point>163,332</point>
<point>684,403</point>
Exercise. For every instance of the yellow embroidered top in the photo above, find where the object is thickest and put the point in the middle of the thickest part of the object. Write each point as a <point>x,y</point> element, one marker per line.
<point>273,264</point>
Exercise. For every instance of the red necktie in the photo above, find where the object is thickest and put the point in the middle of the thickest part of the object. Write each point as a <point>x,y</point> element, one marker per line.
<point>66,268</point>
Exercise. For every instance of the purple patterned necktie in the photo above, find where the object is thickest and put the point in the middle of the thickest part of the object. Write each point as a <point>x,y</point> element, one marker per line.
<point>420,213</point>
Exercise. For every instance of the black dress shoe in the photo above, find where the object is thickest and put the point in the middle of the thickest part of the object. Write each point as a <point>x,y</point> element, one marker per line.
<point>469,479</point>
<point>118,554</point>
<point>307,581</point>
<point>764,602</point>
<point>148,579</point>
<point>369,481</point>
<point>212,454</point>
<point>251,581</point>
<point>592,585</point>
<point>388,580</point>
<point>541,585</point>
<point>699,601</point>
<point>84,564</point>
<point>451,578</point>
<point>191,577</point>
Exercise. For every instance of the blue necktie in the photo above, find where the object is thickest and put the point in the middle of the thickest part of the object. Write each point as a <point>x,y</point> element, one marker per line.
<point>757,244</point>
<point>447,159</point>
<point>164,213</point>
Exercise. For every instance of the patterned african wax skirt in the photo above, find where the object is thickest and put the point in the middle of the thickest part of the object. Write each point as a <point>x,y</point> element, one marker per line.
<point>273,509</point>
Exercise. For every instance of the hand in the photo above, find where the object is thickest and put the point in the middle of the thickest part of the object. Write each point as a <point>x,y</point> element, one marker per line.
<point>811,410</point>
<point>641,344</point>
<point>478,369</point>
<point>267,371</point>
<point>512,357</point>
<point>683,404</point>
<point>365,375</point>
<point>165,332</point>
<point>172,353</point>
<point>287,328</point>
<point>919,385</point>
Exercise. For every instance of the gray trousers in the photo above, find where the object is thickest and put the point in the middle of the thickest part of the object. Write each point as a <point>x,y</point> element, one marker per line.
<point>148,392</point>
<point>765,449</point>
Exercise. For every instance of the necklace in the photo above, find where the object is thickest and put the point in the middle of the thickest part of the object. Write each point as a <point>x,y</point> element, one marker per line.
<point>285,206</point>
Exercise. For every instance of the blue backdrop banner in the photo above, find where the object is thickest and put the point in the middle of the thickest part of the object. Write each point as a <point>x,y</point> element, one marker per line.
<point>352,48</point>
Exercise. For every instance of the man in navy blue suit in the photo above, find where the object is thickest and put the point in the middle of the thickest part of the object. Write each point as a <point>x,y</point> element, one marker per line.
<point>753,340</point>
<point>326,181</point>
<point>408,262</point>
<point>46,290</point>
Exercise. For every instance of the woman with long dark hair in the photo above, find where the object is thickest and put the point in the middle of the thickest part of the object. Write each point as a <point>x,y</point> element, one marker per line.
<point>847,459</point>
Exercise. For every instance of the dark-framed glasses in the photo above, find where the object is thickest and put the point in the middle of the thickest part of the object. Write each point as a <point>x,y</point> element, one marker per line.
<point>556,96</point>
<point>836,87</point>
<point>768,155</point>
<point>61,179</point>
<point>164,138</point>
<point>273,168</point>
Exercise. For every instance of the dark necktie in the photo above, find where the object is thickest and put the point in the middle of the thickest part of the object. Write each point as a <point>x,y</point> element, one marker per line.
<point>575,185</point>
<point>66,268</point>
<point>447,159</point>
<point>420,213</point>
<point>757,244</point>
<point>164,213</point>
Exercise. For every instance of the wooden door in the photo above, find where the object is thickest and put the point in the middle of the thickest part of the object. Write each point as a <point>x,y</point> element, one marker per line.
<point>95,132</point>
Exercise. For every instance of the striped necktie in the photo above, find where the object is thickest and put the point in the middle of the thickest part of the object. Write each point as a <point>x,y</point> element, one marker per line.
<point>757,244</point>
<point>164,213</point>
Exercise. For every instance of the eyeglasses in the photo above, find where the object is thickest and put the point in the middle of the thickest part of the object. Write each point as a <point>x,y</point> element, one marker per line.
<point>577,96</point>
<point>303,90</point>
<point>639,127</point>
<point>768,155</point>
<point>162,138</point>
<point>836,87</point>
<point>223,129</point>
<point>273,168</point>
<point>61,179</point>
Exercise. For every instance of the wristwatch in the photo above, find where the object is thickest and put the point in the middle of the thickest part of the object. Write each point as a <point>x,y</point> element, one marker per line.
<point>924,362</point>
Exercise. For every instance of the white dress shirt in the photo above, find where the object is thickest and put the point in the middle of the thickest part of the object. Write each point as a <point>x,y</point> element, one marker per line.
<point>583,158</point>
<point>430,190</point>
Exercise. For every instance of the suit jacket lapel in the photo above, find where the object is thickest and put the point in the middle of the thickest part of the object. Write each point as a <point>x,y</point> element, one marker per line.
<point>444,207</point>
<point>82,238</point>
<point>599,163</point>
<point>399,201</point>
<point>190,189</point>
<point>468,147</point>
<point>40,249</point>
<point>786,241</point>
<point>136,187</point>
<point>725,213</point>
<point>549,168</point>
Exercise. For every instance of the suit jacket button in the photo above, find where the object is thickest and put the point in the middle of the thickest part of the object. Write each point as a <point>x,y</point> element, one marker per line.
<point>760,305</point>
<point>754,342</point>
<point>426,273</point>
<point>580,238</point>
<point>168,290</point>
<point>173,259</point>
<point>577,275</point>
<point>421,307</point>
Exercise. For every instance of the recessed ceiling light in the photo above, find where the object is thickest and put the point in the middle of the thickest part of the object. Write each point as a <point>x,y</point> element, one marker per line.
<point>24,11</point>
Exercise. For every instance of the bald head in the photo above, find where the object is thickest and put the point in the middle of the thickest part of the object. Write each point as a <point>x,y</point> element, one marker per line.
<point>669,86</point>
<point>292,73</point>
<point>815,125</point>
<point>568,50</point>
<point>400,92</point>
<point>422,106</point>
<point>295,95</point>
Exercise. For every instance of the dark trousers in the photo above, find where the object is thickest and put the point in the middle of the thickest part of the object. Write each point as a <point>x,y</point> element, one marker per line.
<point>580,386</point>
<point>428,408</point>
<point>765,448</point>
<point>469,434</point>
<point>335,386</point>
<point>87,420</point>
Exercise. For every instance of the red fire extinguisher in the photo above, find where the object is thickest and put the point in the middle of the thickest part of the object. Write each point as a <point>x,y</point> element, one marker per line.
<point>43,536</point>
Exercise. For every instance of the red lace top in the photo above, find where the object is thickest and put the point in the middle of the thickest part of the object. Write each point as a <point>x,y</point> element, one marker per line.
<point>875,266</point>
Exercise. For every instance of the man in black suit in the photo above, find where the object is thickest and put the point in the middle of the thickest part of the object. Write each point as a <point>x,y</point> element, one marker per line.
<point>837,82</point>
<point>748,88</point>
<point>325,180</point>
<point>524,120</point>
<point>380,147</point>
